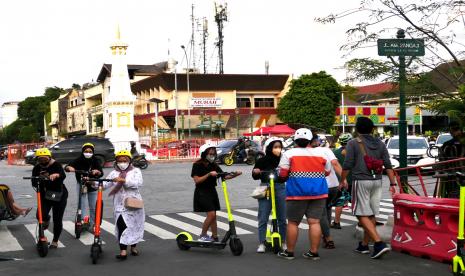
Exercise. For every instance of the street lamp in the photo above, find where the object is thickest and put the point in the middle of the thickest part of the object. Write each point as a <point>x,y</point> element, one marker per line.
<point>201,123</point>
<point>182,124</point>
<point>219,119</point>
<point>342,113</point>
<point>237,121</point>
<point>188,93</point>
<point>176,99</point>
<point>251,123</point>
<point>156,101</point>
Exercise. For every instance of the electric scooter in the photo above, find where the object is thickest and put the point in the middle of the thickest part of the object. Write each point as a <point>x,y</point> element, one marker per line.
<point>96,248</point>
<point>458,267</point>
<point>273,238</point>
<point>185,240</point>
<point>42,243</point>
<point>80,223</point>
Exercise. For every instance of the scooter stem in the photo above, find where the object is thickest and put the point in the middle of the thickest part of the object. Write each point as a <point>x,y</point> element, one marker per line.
<point>461,213</point>
<point>226,199</point>
<point>273,198</point>
<point>98,210</point>
<point>39,207</point>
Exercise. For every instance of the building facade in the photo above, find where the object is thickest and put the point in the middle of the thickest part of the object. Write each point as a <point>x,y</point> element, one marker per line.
<point>8,113</point>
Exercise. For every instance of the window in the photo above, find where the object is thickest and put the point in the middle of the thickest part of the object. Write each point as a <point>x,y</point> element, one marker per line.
<point>148,108</point>
<point>264,102</point>
<point>243,102</point>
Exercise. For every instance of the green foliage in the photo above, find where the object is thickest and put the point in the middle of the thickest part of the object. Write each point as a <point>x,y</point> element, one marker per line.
<point>311,100</point>
<point>28,134</point>
<point>11,132</point>
<point>453,107</point>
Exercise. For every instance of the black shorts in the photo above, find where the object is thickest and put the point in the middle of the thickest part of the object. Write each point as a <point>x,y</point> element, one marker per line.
<point>312,208</point>
<point>206,200</point>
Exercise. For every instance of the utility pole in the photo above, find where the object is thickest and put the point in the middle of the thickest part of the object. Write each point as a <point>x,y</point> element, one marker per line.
<point>204,44</point>
<point>220,17</point>
<point>193,37</point>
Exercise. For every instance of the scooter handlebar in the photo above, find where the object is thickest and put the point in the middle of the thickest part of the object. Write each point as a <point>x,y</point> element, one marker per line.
<point>40,177</point>
<point>100,179</point>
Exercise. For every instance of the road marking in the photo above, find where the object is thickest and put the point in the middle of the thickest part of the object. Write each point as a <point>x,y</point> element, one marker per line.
<point>386,204</point>
<point>86,237</point>
<point>8,241</point>
<point>159,232</point>
<point>178,224</point>
<point>108,227</point>
<point>32,228</point>
<point>221,225</point>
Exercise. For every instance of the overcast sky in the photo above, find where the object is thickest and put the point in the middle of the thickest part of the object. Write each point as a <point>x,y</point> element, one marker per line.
<point>58,42</point>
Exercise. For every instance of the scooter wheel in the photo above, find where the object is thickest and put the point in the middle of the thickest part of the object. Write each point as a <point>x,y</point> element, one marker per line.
<point>181,241</point>
<point>95,252</point>
<point>42,248</point>
<point>77,231</point>
<point>236,246</point>
<point>276,246</point>
<point>144,164</point>
<point>268,246</point>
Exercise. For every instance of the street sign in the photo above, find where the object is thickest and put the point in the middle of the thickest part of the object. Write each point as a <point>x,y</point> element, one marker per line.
<point>401,47</point>
<point>163,130</point>
<point>203,126</point>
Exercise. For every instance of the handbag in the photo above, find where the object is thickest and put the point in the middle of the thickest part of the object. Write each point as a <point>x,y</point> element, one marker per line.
<point>53,195</point>
<point>133,203</point>
<point>259,192</point>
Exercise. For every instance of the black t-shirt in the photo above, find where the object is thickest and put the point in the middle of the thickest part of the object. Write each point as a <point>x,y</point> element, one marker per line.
<point>267,163</point>
<point>83,164</point>
<point>57,184</point>
<point>200,169</point>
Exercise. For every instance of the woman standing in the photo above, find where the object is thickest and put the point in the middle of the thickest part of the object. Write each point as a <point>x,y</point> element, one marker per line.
<point>54,195</point>
<point>204,173</point>
<point>129,217</point>
<point>273,147</point>
<point>86,162</point>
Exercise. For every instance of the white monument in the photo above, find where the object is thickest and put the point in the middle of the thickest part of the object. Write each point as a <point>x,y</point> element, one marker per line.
<point>119,105</point>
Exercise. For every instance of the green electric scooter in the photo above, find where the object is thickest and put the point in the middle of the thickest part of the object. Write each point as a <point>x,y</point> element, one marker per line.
<point>273,238</point>
<point>185,240</point>
<point>458,267</point>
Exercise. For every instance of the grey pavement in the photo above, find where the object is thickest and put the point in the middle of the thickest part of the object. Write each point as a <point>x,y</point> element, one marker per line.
<point>168,194</point>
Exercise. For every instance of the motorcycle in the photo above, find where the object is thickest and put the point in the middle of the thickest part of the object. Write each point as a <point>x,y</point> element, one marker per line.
<point>140,162</point>
<point>234,157</point>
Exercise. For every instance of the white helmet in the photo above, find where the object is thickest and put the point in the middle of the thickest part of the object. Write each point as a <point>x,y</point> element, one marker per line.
<point>204,147</point>
<point>270,140</point>
<point>303,133</point>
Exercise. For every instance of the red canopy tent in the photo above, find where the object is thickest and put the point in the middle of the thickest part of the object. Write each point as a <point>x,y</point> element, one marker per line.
<point>277,129</point>
<point>259,132</point>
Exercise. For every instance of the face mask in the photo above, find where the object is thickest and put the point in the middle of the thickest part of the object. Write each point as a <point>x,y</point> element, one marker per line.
<point>88,155</point>
<point>276,151</point>
<point>123,165</point>
<point>210,158</point>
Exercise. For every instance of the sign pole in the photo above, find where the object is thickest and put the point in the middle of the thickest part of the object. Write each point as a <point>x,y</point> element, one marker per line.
<point>402,115</point>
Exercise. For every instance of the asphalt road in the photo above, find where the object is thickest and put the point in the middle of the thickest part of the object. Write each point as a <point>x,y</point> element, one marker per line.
<point>168,194</point>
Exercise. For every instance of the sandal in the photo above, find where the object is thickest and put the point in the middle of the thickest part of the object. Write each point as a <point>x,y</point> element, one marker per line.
<point>121,257</point>
<point>134,252</point>
<point>52,246</point>
<point>328,244</point>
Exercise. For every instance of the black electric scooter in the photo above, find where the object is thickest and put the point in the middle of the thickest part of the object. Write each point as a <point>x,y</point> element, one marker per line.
<point>185,240</point>
<point>42,243</point>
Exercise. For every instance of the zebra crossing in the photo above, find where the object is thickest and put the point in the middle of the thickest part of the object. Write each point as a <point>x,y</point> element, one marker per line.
<point>163,227</point>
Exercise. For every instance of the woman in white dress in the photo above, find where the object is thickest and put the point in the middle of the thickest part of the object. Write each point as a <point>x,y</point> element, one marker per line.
<point>129,214</point>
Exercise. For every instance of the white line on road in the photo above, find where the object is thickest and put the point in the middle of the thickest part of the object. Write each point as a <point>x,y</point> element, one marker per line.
<point>178,224</point>
<point>32,228</point>
<point>8,241</point>
<point>86,237</point>
<point>159,232</point>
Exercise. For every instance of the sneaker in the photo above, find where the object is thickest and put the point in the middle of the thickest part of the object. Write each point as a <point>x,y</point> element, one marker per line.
<point>312,256</point>
<point>379,249</point>
<point>362,249</point>
<point>261,248</point>
<point>286,255</point>
<point>205,238</point>
<point>336,225</point>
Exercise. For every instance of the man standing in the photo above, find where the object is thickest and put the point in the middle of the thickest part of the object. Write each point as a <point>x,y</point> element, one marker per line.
<point>305,170</point>
<point>365,157</point>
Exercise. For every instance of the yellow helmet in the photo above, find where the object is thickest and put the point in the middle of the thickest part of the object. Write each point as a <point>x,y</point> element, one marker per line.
<point>43,152</point>
<point>124,153</point>
<point>88,145</point>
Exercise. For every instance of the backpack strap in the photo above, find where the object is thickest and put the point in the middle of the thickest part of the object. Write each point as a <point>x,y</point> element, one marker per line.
<point>361,146</point>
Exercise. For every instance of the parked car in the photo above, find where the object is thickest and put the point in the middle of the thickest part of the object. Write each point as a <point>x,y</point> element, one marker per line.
<point>224,148</point>
<point>3,152</point>
<point>442,138</point>
<point>67,150</point>
<point>416,151</point>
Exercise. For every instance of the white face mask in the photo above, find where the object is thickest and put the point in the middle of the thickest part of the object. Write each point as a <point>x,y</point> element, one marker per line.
<point>211,159</point>
<point>88,155</point>
<point>122,165</point>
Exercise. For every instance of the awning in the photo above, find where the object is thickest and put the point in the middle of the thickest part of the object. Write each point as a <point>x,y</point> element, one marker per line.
<point>149,122</point>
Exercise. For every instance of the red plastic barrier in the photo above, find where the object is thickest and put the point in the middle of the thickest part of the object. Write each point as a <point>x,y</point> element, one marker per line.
<point>425,227</point>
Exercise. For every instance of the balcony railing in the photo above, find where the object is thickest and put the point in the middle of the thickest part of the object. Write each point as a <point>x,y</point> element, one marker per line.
<point>95,109</point>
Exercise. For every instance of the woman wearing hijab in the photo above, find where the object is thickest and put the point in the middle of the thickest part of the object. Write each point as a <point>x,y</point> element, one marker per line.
<point>273,147</point>
<point>87,162</point>
<point>127,203</point>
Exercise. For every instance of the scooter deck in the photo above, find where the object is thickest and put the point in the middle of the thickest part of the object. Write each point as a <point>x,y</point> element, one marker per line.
<point>217,245</point>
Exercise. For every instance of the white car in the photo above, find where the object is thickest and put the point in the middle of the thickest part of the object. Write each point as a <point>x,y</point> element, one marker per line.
<point>442,138</point>
<point>416,151</point>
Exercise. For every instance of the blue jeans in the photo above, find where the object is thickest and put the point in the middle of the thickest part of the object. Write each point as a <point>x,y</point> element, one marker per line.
<point>264,211</point>
<point>92,201</point>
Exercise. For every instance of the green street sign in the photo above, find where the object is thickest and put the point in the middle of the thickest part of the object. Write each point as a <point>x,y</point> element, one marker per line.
<point>401,47</point>
<point>163,130</point>
<point>203,126</point>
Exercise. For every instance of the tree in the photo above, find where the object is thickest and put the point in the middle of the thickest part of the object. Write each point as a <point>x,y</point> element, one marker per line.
<point>11,132</point>
<point>436,21</point>
<point>28,134</point>
<point>311,100</point>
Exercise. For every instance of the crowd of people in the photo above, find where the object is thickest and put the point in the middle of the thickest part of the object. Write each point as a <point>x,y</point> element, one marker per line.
<point>310,181</point>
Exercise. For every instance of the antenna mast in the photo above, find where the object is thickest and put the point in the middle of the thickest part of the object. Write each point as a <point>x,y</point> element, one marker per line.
<point>220,17</point>
<point>204,43</point>
<point>193,38</point>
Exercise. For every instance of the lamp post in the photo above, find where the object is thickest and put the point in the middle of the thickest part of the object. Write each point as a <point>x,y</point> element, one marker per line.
<point>188,93</point>
<point>219,119</point>
<point>237,121</point>
<point>251,123</point>
<point>176,100</point>
<point>156,101</point>
<point>343,116</point>
<point>182,124</point>
<point>201,123</point>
